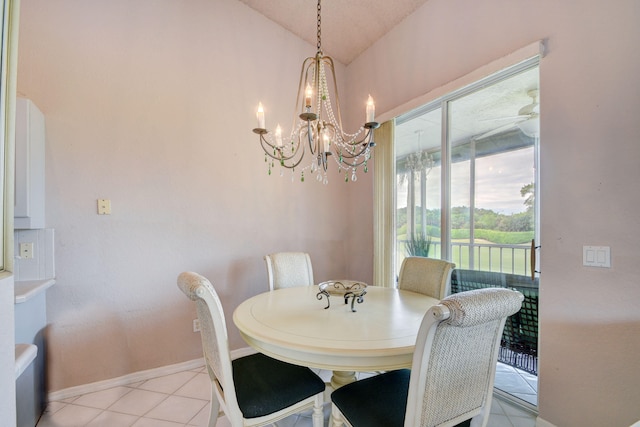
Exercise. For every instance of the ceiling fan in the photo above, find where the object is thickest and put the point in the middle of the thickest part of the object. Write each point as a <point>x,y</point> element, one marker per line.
<point>528,119</point>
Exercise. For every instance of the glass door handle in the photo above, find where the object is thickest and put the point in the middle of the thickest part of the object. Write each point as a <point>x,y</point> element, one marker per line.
<point>533,259</point>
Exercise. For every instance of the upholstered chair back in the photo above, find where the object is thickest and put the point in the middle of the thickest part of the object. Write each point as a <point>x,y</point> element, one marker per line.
<point>455,360</point>
<point>215,340</point>
<point>427,276</point>
<point>288,269</point>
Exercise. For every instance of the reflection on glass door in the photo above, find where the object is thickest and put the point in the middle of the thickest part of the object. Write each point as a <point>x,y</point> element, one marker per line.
<point>476,204</point>
<point>418,184</point>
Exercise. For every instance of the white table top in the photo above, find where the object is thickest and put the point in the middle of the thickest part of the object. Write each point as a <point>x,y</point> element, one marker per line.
<point>292,325</point>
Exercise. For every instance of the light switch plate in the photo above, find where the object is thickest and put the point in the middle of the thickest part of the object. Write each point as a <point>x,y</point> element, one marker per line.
<point>596,256</point>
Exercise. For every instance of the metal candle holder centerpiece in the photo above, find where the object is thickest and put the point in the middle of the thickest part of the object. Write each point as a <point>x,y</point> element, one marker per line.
<point>345,289</point>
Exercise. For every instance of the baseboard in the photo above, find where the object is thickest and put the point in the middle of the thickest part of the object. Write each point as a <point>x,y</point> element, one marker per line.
<point>511,400</point>
<point>137,376</point>
<point>124,380</point>
<point>543,423</point>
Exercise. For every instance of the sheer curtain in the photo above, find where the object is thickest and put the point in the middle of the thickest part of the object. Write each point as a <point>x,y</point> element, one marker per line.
<point>384,207</point>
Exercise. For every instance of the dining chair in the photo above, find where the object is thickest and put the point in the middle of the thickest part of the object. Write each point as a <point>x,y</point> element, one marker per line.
<point>254,390</point>
<point>288,269</point>
<point>428,276</point>
<point>452,372</point>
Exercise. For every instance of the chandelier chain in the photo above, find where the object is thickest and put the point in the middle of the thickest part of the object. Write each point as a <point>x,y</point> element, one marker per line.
<point>319,29</point>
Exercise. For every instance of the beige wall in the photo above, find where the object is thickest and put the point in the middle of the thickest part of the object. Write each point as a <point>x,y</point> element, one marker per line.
<point>151,104</point>
<point>590,104</point>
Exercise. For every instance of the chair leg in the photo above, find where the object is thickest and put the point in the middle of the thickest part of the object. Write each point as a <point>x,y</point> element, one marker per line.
<point>215,410</point>
<point>336,417</point>
<point>318,416</point>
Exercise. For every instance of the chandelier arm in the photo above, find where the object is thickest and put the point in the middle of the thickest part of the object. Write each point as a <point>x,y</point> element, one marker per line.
<point>365,142</point>
<point>352,164</point>
<point>364,146</point>
<point>281,157</point>
<point>295,165</point>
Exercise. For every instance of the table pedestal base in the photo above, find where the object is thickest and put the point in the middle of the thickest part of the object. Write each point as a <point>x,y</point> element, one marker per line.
<point>341,378</point>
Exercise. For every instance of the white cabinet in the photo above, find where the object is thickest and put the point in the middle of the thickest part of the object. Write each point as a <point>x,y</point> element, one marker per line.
<point>29,168</point>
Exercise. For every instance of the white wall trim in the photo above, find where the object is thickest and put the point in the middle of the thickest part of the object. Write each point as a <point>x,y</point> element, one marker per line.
<point>137,376</point>
<point>66,393</point>
<point>543,423</point>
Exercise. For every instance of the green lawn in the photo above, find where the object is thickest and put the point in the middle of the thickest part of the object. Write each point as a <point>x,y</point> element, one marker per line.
<point>514,260</point>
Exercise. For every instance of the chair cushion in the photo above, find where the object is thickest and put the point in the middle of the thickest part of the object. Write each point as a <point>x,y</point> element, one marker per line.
<point>265,385</point>
<point>379,401</point>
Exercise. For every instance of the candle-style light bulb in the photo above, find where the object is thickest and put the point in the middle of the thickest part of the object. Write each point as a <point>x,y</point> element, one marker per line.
<point>260,115</point>
<point>308,93</point>
<point>371,110</point>
<point>278,136</point>
<point>326,141</point>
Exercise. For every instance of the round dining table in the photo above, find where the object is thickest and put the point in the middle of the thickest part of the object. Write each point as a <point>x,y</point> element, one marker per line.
<point>295,325</point>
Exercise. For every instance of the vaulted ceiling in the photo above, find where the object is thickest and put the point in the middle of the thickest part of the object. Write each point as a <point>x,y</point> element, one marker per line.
<point>348,27</point>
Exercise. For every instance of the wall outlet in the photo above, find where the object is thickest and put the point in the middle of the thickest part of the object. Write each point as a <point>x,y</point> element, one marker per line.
<point>104,207</point>
<point>196,325</point>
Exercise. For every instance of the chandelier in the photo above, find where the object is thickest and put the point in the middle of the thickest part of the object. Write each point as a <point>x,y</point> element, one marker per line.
<point>420,160</point>
<point>317,126</point>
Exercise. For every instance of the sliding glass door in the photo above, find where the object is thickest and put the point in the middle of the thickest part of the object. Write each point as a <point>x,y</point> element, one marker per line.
<point>493,175</point>
<point>466,182</point>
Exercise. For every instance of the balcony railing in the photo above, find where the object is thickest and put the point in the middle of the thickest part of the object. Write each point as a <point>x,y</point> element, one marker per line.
<point>513,259</point>
<point>484,265</point>
<point>519,344</point>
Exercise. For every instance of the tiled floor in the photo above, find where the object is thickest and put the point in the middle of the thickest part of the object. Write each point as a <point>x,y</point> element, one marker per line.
<point>182,400</point>
<point>517,383</point>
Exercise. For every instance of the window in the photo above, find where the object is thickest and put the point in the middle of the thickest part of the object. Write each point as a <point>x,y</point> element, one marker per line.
<point>465,174</point>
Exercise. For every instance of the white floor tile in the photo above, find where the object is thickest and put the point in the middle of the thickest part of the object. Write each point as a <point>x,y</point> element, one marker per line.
<point>53,407</point>
<point>223,422</point>
<point>496,407</point>
<point>198,387</point>
<point>70,416</point>
<point>496,420</point>
<point>138,402</point>
<point>182,399</point>
<point>529,421</point>
<point>291,422</point>
<point>102,399</point>
<point>176,408</point>
<point>515,411</point>
<point>202,418</point>
<point>169,383</point>
<point>113,419</point>
<point>148,422</point>
<point>513,383</point>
